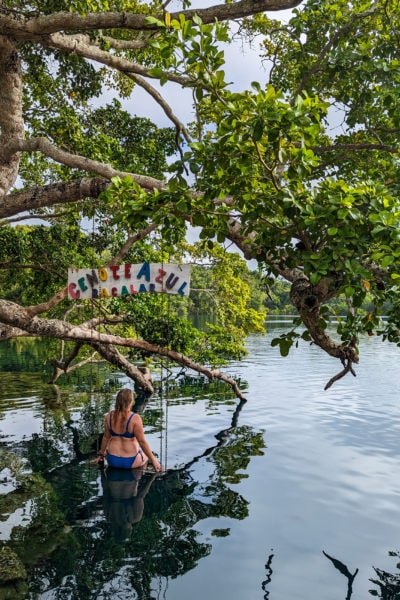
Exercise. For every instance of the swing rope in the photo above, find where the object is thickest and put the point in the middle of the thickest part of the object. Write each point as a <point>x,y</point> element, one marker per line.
<point>164,384</point>
<point>165,387</point>
<point>92,329</point>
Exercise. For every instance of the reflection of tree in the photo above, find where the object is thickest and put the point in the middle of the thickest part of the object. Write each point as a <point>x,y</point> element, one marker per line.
<point>65,440</point>
<point>268,572</point>
<point>44,452</point>
<point>345,571</point>
<point>162,540</point>
<point>79,552</point>
<point>388,583</point>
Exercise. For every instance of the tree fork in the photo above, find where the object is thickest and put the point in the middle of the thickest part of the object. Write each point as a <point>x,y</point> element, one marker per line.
<point>306,299</point>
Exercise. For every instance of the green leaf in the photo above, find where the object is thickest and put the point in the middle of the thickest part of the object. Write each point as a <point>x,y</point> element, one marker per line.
<point>387,260</point>
<point>285,346</point>
<point>154,21</point>
<point>258,130</point>
<point>314,278</point>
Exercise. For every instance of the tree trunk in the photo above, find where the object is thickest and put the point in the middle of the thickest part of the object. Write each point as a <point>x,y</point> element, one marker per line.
<point>11,120</point>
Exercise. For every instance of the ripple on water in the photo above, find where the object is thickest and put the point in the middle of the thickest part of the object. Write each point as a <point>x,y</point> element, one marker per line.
<point>19,425</point>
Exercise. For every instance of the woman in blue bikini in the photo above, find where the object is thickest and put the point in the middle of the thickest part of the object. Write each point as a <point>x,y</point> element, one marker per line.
<point>124,444</point>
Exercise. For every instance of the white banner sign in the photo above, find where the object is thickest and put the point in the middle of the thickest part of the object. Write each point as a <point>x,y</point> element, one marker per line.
<point>128,279</point>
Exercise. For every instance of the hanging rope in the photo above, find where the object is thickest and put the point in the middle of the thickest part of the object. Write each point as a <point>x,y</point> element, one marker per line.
<point>164,384</point>
<point>92,329</point>
<point>161,416</point>
<point>167,382</point>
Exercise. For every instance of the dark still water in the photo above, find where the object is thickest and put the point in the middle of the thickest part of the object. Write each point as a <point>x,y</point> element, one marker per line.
<point>294,495</point>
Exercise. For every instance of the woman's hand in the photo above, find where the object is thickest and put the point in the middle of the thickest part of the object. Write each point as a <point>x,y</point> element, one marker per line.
<point>157,466</point>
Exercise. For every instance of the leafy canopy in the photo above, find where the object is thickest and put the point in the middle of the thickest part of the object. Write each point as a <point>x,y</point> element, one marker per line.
<point>299,172</point>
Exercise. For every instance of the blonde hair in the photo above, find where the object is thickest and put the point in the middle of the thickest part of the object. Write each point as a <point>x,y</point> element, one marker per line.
<point>124,401</point>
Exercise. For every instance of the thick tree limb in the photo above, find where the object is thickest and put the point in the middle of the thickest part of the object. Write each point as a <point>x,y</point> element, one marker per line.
<point>41,144</point>
<point>32,28</point>
<point>79,45</point>
<point>137,44</point>
<point>14,315</point>
<point>11,120</point>
<point>45,306</point>
<point>114,357</point>
<point>9,333</point>
<point>308,299</point>
<point>76,45</point>
<point>355,148</point>
<point>52,195</point>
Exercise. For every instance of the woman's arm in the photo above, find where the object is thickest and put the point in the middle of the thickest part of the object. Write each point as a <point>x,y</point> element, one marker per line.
<point>141,438</point>
<point>146,488</point>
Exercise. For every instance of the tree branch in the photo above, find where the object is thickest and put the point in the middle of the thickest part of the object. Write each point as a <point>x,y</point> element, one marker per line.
<point>16,316</point>
<point>37,309</point>
<point>61,369</point>
<point>347,369</point>
<point>32,28</point>
<point>308,300</point>
<point>125,44</point>
<point>52,195</point>
<point>113,356</point>
<point>330,43</point>
<point>132,239</point>
<point>181,129</point>
<point>355,148</point>
<point>77,44</point>
<point>41,144</point>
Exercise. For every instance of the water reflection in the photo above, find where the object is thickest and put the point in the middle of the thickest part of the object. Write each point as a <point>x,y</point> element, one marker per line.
<point>139,528</point>
<point>388,583</point>
<point>107,530</point>
<point>268,573</point>
<point>123,499</point>
<point>342,568</point>
<point>330,474</point>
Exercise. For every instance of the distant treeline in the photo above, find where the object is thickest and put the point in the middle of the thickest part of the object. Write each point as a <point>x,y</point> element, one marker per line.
<point>278,300</point>
<point>274,295</point>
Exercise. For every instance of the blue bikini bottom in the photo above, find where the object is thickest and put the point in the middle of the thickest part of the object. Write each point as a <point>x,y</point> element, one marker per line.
<point>124,462</point>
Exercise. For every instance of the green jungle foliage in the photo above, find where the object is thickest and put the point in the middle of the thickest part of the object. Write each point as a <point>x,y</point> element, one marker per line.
<point>299,172</point>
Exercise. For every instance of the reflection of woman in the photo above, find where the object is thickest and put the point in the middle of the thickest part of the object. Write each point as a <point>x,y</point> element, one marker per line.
<point>124,444</point>
<point>123,496</point>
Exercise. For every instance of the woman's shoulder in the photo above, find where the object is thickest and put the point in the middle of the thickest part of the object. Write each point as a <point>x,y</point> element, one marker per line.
<point>135,418</point>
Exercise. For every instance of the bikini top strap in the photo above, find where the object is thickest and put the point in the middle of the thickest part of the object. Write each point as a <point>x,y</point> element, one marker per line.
<point>128,421</point>
<point>126,427</point>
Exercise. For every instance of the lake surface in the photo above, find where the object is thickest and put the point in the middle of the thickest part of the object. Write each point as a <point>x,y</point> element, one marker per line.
<point>293,495</point>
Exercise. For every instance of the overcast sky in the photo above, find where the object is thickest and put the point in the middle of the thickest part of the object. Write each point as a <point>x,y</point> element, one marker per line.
<point>242,66</point>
